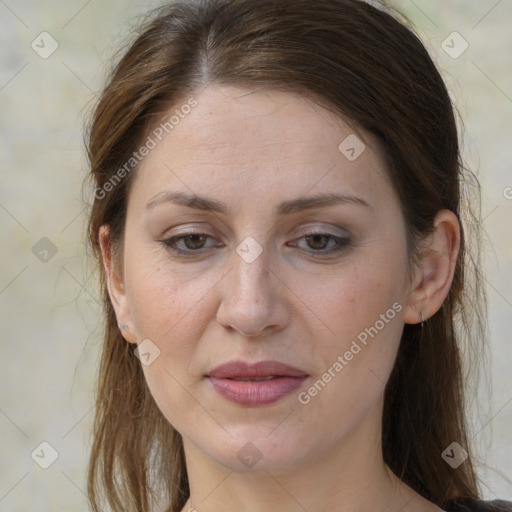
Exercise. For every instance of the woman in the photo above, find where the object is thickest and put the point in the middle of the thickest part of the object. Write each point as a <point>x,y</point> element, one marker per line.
<point>277,215</point>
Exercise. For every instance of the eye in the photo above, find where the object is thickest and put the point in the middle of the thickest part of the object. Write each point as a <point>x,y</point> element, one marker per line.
<point>322,243</point>
<point>189,243</point>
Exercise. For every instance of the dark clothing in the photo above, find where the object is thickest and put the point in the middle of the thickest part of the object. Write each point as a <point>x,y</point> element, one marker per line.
<point>470,505</point>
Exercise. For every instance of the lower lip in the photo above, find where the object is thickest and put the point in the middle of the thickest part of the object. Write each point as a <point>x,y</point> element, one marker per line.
<point>252,393</point>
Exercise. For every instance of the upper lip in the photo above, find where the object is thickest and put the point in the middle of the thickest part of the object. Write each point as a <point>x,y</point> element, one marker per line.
<point>241,369</point>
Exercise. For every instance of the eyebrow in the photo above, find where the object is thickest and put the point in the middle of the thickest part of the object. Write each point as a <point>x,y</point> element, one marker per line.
<point>319,201</point>
<point>285,208</point>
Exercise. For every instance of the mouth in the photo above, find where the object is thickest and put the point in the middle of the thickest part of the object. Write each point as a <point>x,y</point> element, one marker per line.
<point>255,384</point>
<point>257,379</point>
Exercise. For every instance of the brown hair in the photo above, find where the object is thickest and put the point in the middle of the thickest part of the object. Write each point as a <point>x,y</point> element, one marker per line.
<point>365,64</point>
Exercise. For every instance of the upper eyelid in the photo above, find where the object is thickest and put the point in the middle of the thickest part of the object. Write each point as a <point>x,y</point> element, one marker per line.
<point>338,238</point>
<point>322,231</point>
<point>304,234</point>
<point>166,240</point>
<point>200,230</point>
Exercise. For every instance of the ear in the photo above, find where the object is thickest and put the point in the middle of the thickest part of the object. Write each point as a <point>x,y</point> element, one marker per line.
<point>434,273</point>
<point>115,285</point>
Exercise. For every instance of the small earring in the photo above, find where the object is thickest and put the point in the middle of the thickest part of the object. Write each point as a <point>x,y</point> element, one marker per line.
<point>422,319</point>
<point>123,327</point>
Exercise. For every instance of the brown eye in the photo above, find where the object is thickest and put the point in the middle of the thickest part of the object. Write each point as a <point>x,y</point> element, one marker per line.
<point>189,244</point>
<point>194,241</point>
<point>321,243</point>
<point>318,242</point>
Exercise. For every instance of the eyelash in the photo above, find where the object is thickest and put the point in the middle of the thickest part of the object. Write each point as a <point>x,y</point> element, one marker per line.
<point>170,243</point>
<point>342,242</point>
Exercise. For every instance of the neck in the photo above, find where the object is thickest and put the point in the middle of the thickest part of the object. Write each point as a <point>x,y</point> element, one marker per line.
<point>353,477</point>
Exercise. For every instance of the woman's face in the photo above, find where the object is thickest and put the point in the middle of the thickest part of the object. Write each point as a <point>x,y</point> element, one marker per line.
<point>261,229</point>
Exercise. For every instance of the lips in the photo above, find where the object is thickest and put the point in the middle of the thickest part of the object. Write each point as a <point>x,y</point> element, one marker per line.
<point>255,384</point>
<point>241,370</point>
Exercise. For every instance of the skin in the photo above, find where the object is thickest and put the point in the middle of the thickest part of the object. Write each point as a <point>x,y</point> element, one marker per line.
<point>253,150</point>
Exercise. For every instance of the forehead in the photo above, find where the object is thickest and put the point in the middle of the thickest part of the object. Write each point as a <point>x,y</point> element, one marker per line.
<point>236,139</point>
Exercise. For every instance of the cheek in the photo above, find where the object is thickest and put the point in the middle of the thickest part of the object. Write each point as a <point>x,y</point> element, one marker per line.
<point>352,299</point>
<point>172,308</point>
<point>365,316</point>
<point>171,305</point>
<point>164,297</point>
<point>361,307</point>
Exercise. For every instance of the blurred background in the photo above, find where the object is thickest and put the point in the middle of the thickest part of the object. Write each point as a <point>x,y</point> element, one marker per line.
<point>53,61</point>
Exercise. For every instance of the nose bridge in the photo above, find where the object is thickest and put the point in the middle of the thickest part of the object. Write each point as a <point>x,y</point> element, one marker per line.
<point>251,300</point>
<point>250,279</point>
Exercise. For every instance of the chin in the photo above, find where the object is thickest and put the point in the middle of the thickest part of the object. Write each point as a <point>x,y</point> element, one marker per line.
<point>257,449</point>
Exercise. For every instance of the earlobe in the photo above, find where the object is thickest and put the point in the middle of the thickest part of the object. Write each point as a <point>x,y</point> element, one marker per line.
<point>115,286</point>
<point>434,274</point>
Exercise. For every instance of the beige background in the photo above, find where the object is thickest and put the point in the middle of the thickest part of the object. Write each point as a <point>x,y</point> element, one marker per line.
<point>49,316</point>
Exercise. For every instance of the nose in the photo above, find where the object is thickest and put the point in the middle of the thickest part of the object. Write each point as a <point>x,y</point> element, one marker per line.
<point>253,299</point>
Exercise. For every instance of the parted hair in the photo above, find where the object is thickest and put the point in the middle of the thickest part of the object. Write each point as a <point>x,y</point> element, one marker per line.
<point>366,64</point>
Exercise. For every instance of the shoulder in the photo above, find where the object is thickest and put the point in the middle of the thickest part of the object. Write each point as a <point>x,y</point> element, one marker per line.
<point>472,505</point>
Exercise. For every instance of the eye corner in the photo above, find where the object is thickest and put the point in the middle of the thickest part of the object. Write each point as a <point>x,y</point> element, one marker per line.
<point>170,243</point>
<point>342,242</point>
